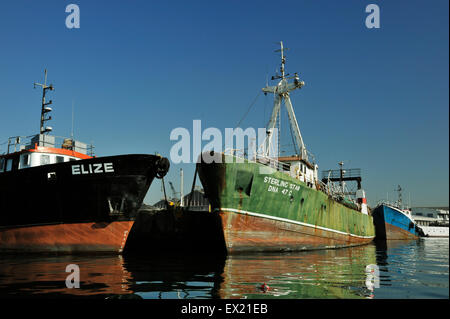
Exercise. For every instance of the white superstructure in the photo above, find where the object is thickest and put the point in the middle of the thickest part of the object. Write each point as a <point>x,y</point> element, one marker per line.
<point>435,223</point>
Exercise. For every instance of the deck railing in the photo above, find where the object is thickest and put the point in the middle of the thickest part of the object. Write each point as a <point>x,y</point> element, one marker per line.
<point>19,143</point>
<point>336,173</point>
<point>261,159</point>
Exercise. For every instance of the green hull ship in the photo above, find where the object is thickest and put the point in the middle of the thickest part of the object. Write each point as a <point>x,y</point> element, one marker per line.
<point>271,203</point>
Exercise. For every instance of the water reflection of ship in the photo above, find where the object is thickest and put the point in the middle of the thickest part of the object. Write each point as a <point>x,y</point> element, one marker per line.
<point>383,246</point>
<point>46,276</point>
<point>401,249</point>
<point>176,276</point>
<point>322,274</point>
<point>113,276</point>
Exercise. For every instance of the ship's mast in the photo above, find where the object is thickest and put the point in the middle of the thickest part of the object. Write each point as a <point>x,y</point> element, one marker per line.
<point>399,192</point>
<point>45,108</point>
<point>281,93</point>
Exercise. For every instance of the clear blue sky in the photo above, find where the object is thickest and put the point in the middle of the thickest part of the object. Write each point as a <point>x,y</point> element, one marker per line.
<point>375,98</point>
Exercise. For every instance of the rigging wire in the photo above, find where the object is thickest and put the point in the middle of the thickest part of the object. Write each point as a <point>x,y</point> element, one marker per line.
<point>246,113</point>
<point>248,110</point>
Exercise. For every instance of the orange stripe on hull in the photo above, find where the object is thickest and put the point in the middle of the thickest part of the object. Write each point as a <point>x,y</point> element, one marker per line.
<point>68,238</point>
<point>249,233</point>
<point>394,232</point>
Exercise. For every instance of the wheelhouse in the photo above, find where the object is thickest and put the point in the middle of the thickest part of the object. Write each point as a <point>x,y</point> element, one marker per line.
<point>40,151</point>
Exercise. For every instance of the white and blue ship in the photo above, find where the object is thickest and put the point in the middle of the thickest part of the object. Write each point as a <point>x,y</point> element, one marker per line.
<point>392,221</point>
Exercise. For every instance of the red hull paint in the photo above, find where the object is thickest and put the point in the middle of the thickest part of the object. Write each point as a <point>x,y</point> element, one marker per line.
<point>245,233</point>
<point>67,238</point>
<point>393,232</point>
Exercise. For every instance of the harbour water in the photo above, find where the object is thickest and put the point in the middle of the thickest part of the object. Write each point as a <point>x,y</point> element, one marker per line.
<point>403,270</point>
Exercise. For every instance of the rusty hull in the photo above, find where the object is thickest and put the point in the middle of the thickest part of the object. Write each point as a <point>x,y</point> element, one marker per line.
<point>67,238</point>
<point>245,233</point>
<point>393,232</point>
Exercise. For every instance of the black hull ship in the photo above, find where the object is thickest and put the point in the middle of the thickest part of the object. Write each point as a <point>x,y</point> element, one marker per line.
<point>60,199</point>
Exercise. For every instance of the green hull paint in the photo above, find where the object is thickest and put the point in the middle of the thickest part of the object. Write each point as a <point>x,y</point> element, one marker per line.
<point>253,187</point>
